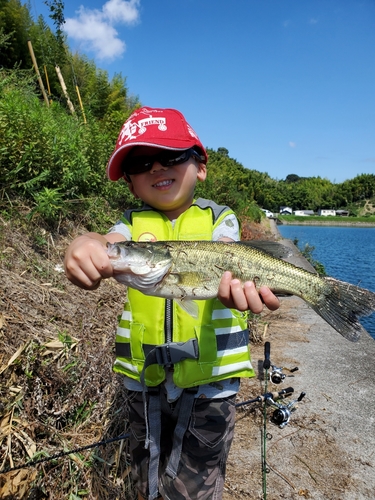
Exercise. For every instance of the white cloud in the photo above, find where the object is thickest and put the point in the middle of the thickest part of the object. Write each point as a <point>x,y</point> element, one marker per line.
<point>122,11</point>
<point>292,144</point>
<point>94,28</point>
<point>313,21</point>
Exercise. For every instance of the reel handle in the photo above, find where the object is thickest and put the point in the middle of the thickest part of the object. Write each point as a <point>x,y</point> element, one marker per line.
<point>301,396</point>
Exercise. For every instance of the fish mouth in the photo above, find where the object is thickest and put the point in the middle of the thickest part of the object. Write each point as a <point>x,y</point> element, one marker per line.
<point>136,270</point>
<point>113,251</point>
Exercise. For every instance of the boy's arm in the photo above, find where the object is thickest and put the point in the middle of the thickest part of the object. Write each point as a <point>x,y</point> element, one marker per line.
<point>235,296</point>
<point>86,261</point>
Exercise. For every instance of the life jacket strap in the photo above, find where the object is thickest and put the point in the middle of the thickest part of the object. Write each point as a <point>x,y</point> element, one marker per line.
<point>184,414</point>
<point>154,432</point>
<point>166,355</point>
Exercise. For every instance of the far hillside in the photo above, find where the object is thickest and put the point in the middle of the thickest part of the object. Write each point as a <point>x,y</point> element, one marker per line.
<point>55,143</point>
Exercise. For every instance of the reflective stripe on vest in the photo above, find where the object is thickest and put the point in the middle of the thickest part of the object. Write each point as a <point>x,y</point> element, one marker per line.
<point>221,333</point>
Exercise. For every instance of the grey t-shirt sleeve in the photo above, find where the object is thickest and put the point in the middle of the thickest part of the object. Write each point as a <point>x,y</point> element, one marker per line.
<point>123,229</point>
<point>228,228</point>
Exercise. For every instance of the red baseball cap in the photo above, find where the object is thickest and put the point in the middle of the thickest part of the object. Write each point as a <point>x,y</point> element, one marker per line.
<point>156,127</point>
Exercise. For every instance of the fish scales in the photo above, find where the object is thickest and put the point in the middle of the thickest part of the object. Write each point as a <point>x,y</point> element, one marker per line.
<point>208,261</point>
<point>192,270</point>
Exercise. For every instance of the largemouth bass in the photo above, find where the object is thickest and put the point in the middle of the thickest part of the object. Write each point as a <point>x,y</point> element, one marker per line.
<point>191,270</point>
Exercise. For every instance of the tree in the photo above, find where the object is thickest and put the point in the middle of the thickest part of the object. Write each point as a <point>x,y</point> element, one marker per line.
<point>223,151</point>
<point>15,22</point>
<point>56,8</point>
<point>292,178</point>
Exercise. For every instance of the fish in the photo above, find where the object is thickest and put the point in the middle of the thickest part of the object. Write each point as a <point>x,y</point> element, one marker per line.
<point>186,271</point>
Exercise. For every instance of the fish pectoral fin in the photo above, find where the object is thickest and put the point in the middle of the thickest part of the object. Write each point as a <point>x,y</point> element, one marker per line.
<point>188,278</point>
<point>188,306</point>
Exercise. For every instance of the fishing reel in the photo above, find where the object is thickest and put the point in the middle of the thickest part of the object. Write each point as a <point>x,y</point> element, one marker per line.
<point>282,414</point>
<point>276,375</point>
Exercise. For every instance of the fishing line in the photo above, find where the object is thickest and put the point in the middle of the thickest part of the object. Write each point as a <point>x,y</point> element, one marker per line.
<point>62,454</point>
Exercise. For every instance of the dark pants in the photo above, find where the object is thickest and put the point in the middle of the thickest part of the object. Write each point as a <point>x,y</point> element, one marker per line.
<point>205,448</point>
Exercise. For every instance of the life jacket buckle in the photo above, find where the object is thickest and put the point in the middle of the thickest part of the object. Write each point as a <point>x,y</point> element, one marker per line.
<point>174,352</point>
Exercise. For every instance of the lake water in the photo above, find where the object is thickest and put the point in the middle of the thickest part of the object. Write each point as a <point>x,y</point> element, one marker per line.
<point>347,253</point>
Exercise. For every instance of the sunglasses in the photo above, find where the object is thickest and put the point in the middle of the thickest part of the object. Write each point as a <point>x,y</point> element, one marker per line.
<point>168,158</point>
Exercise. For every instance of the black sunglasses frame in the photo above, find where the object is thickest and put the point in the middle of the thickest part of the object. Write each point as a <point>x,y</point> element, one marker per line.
<point>166,157</point>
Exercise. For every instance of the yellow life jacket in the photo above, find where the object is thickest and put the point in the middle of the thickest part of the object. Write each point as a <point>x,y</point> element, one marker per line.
<point>216,341</point>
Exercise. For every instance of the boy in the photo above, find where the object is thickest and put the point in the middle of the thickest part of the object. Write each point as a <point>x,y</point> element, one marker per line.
<point>181,405</point>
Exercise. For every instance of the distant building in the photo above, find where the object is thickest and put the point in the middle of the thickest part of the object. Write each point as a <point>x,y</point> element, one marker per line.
<point>326,211</point>
<point>342,213</point>
<point>304,213</point>
<point>286,211</point>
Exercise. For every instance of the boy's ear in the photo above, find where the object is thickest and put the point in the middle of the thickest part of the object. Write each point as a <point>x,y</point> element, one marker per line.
<point>131,187</point>
<point>202,172</point>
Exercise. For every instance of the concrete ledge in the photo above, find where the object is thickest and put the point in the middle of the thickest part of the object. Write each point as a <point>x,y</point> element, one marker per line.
<point>338,377</point>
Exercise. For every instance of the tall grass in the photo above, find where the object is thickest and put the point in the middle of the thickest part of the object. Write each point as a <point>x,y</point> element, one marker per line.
<point>51,160</point>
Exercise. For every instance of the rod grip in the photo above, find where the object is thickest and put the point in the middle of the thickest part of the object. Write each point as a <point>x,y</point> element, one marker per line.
<point>288,390</point>
<point>267,356</point>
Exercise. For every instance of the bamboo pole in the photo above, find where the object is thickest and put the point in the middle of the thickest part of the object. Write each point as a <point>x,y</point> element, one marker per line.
<point>63,86</point>
<point>31,50</point>
<point>48,86</point>
<point>80,103</point>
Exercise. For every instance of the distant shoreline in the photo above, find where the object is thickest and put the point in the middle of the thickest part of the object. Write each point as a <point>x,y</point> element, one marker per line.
<point>325,223</point>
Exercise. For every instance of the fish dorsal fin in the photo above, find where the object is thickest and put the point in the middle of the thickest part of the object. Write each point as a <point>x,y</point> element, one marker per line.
<point>273,248</point>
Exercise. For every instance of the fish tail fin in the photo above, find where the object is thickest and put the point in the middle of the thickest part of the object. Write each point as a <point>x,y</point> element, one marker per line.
<point>342,305</point>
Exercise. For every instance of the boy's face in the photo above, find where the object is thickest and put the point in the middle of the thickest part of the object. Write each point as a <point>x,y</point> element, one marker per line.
<point>168,189</point>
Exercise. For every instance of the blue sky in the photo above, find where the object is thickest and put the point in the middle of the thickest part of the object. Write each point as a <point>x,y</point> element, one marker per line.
<point>287,86</point>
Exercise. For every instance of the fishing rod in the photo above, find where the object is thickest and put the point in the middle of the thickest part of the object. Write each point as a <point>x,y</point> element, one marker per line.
<point>265,469</point>
<point>275,376</point>
<point>282,413</point>
<point>268,395</point>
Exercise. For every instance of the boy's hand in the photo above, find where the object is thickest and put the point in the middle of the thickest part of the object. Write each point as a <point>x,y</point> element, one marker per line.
<point>86,261</point>
<point>235,296</point>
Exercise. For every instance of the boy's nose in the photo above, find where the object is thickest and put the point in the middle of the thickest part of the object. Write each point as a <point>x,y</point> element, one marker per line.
<point>157,166</point>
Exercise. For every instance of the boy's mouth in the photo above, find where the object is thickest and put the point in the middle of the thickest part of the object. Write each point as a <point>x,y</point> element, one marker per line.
<point>164,183</point>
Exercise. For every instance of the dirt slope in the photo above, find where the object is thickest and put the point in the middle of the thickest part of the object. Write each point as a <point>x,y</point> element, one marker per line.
<point>57,391</point>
